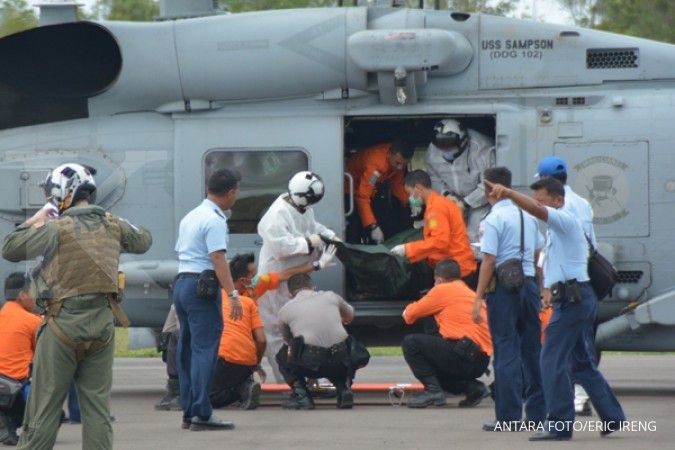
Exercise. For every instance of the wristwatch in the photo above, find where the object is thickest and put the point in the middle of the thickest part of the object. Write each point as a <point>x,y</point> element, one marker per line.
<point>234,294</point>
<point>316,265</point>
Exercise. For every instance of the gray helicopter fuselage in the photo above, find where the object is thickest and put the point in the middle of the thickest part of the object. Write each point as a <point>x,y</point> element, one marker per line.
<point>275,92</point>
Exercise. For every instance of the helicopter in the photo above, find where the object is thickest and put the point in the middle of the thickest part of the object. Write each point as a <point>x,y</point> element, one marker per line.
<point>156,107</point>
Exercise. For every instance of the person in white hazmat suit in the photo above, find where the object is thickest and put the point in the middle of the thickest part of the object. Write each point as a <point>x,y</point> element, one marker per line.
<point>455,161</point>
<point>291,236</point>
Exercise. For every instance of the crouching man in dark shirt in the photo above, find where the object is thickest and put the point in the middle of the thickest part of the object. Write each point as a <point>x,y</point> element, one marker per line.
<point>318,345</point>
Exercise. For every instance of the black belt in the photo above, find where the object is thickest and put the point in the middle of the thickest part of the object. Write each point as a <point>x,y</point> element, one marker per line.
<point>187,275</point>
<point>325,352</point>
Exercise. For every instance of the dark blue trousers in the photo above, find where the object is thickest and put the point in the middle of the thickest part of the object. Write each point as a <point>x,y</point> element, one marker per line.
<point>568,354</point>
<point>73,404</point>
<point>201,324</point>
<point>516,333</point>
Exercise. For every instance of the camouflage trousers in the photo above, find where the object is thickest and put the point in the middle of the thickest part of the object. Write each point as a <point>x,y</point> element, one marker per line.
<point>82,318</point>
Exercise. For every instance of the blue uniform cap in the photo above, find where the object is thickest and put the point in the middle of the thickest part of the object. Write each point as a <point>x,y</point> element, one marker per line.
<point>551,166</point>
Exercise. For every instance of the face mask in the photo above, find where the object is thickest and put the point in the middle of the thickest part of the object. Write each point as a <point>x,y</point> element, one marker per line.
<point>415,202</point>
<point>254,282</point>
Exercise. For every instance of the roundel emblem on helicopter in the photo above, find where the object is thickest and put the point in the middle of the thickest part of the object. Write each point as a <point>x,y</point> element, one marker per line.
<point>603,182</point>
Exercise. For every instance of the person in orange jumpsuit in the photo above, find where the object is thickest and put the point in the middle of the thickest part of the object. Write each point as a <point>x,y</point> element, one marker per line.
<point>545,317</point>
<point>242,342</point>
<point>445,234</point>
<point>459,353</point>
<point>18,330</point>
<point>370,168</point>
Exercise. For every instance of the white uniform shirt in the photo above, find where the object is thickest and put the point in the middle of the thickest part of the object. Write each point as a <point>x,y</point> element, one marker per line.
<point>201,232</point>
<point>501,235</point>
<point>582,210</point>
<point>566,249</point>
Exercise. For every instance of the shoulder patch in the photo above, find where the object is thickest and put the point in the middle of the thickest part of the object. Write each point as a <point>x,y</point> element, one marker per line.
<point>432,223</point>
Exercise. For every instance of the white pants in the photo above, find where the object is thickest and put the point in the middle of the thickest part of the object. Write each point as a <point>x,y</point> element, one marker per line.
<point>580,397</point>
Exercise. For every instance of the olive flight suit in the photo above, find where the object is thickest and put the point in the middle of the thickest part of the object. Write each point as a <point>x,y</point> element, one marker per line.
<point>80,253</point>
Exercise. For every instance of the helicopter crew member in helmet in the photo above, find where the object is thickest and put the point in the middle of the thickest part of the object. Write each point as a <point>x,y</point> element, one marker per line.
<point>455,160</point>
<point>80,251</point>
<point>291,236</point>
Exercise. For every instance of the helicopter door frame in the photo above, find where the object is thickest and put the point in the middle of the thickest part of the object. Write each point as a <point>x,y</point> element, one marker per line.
<point>274,151</point>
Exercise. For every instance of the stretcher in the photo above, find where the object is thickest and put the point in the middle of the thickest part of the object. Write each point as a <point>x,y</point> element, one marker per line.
<point>364,393</point>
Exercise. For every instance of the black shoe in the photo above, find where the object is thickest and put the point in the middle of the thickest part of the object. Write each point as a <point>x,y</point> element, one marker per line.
<point>428,397</point>
<point>550,436</point>
<point>212,423</point>
<point>250,395</point>
<point>508,425</point>
<point>11,439</point>
<point>298,401</point>
<point>345,398</point>
<point>185,424</point>
<point>474,395</point>
<point>170,401</point>
<point>609,427</point>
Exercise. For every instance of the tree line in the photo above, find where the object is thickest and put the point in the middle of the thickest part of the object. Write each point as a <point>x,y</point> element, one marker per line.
<point>652,19</point>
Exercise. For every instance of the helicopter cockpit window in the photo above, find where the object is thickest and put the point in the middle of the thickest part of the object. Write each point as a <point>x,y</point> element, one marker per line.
<point>264,175</point>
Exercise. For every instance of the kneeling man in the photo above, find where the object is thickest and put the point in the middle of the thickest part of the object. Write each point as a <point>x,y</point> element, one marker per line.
<point>453,360</point>
<point>242,345</point>
<point>318,345</point>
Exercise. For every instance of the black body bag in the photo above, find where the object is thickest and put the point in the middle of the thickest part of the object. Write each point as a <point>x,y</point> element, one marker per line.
<point>602,273</point>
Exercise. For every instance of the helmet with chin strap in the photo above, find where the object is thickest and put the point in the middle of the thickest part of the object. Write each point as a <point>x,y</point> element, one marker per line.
<point>450,136</point>
<point>305,189</point>
<point>70,180</point>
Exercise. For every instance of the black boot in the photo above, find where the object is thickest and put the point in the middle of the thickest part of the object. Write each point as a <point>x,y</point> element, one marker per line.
<point>432,395</point>
<point>12,438</point>
<point>171,401</point>
<point>299,398</point>
<point>345,396</point>
<point>249,393</point>
<point>4,432</point>
<point>476,391</point>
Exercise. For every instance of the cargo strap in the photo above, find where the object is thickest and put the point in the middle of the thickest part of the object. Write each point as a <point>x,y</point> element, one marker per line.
<point>82,348</point>
<point>118,312</point>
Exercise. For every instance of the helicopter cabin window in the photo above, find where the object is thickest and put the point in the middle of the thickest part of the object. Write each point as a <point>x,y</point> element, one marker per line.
<point>264,175</point>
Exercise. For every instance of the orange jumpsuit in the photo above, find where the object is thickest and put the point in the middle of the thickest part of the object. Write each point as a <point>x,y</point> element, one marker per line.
<point>451,304</point>
<point>266,282</point>
<point>445,236</point>
<point>18,330</point>
<point>545,318</point>
<point>236,343</point>
<point>369,168</point>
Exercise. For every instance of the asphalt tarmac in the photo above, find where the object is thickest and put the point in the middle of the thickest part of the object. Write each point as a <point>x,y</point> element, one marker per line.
<point>645,385</point>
